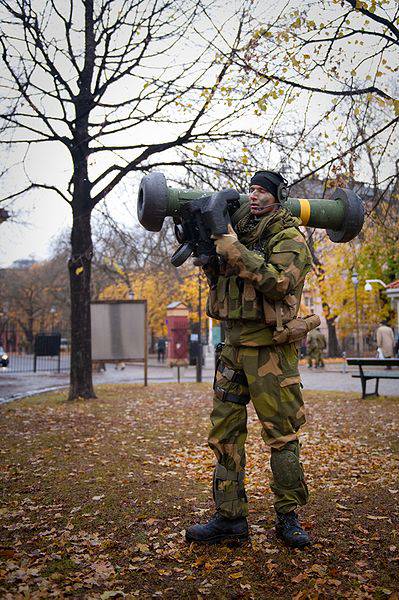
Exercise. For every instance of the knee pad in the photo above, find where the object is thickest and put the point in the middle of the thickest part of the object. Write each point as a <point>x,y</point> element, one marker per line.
<point>286,468</point>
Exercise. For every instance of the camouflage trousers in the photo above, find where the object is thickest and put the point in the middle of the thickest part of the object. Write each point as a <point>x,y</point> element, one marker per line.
<point>267,375</point>
<point>315,355</point>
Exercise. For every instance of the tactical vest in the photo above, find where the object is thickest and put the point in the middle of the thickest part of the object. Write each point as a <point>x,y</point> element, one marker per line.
<point>233,298</point>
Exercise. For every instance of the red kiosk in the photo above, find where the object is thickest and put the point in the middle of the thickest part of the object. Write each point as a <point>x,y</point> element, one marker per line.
<point>178,334</point>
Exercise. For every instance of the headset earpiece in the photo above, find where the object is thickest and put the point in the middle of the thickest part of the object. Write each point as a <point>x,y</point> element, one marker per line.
<point>282,189</point>
<point>282,192</point>
<point>282,186</point>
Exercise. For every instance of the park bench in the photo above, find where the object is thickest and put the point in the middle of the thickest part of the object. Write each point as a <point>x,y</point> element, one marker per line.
<point>377,374</point>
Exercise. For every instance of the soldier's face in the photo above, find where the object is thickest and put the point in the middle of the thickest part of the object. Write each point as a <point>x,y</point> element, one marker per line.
<point>261,201</point>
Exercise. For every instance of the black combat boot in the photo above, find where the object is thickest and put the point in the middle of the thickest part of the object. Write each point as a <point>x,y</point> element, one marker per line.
<point>219,529</point>
<point>290,531</point>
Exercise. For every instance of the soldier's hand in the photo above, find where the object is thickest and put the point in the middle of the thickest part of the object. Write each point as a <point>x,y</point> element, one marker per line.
<point>225,241</point>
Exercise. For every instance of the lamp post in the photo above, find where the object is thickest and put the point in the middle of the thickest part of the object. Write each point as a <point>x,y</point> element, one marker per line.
<point>53,310</point>
<point>368,288</point>
<point>4,325</point>
<point>355,281</point>
<point>199,349</point>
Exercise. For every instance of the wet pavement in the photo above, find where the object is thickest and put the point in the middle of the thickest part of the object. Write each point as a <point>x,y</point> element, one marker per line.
<point>332,377</point>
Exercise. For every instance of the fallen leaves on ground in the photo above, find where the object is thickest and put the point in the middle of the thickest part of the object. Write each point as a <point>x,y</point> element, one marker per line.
<point>97,496</point>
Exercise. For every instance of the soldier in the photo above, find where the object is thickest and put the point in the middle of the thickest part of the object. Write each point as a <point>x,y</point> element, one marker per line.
<point>316,343</point>
<point>254,289</point>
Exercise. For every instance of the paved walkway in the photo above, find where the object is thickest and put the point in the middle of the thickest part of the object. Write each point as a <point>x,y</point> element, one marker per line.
<point>332,377</point>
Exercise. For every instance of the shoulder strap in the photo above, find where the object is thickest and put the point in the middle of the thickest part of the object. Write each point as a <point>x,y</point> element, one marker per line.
<point>279,315</point>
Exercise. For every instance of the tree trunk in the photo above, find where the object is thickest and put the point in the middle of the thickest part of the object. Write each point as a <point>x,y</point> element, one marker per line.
<point>28,332</point>
<point>333,345</point>
<point>81,383</point>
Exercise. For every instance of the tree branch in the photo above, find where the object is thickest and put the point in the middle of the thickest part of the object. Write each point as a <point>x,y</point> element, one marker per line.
<point>36,186</point>
<point>358,6</point>
<point>348,150</point>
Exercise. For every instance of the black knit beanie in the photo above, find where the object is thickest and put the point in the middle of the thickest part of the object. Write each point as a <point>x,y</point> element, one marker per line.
<point>268,180</point>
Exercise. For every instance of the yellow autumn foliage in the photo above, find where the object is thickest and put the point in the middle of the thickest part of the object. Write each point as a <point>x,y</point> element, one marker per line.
<point>375,256</point>
<point>160,289</point>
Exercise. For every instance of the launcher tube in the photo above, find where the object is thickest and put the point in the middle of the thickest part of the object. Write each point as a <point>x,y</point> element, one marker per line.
<point>319,212</point>
<point>342,216</point>
<point>322,213</point>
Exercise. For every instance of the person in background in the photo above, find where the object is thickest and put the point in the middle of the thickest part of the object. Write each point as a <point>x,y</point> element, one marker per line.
<point>385,340</point>
<point>396,349</point>
<point>161,349</point>
<point>316,343</point>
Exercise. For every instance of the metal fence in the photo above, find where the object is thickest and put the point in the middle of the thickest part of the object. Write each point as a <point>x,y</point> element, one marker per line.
<point>21,363</point>
<point>21,356</point>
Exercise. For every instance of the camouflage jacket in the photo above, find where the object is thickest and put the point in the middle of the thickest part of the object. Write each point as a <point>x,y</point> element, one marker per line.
<point>316,340</point>
<point>259,284</point>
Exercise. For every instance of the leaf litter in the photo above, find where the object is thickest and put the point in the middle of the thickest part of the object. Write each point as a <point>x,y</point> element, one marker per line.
<point>96,497</point>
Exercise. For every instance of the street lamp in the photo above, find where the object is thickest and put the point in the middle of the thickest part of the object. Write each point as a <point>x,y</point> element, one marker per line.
<point>355,281</point>
<point>53,310</point>
<point>199,348</point>
<point>368,287</point>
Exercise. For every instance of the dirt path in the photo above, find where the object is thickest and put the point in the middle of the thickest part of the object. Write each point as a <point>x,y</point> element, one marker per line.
<point>96,497</point>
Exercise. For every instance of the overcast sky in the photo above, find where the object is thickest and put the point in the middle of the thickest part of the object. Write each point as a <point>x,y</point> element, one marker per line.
<point>40,216</point>
<point>39,221</point>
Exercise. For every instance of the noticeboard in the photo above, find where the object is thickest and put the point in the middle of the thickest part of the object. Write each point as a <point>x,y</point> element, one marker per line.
<point>47,344</point>
<point>119,330</point>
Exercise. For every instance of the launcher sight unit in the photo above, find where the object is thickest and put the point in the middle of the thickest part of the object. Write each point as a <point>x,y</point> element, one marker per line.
<point>199,214</point>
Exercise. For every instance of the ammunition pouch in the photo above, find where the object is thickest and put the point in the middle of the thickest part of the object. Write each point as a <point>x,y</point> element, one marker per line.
<point>296,329</point>
<point>234,298</point>
<point>231,375</point>
<point>235,377</point>
<point>225,396</point>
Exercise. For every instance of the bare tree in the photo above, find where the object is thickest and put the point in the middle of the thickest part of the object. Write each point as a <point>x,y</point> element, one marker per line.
<point>122,250</point>
<point>319,65</point>
<point>117,86</point>
<point>31,293</point>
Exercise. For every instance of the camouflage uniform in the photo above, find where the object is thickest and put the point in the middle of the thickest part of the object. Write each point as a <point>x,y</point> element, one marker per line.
<point>316,344</point>
<point>256,287</point>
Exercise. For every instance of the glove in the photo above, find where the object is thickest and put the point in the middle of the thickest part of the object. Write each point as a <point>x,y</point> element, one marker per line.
<point>224,242</point>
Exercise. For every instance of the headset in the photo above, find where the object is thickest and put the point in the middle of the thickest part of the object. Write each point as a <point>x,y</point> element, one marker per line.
<point>282,186</point>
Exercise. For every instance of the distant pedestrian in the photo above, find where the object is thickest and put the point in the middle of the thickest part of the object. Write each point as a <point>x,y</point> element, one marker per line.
<point>385,340</point>
<point>316,343</point>
<point>161,349</point>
